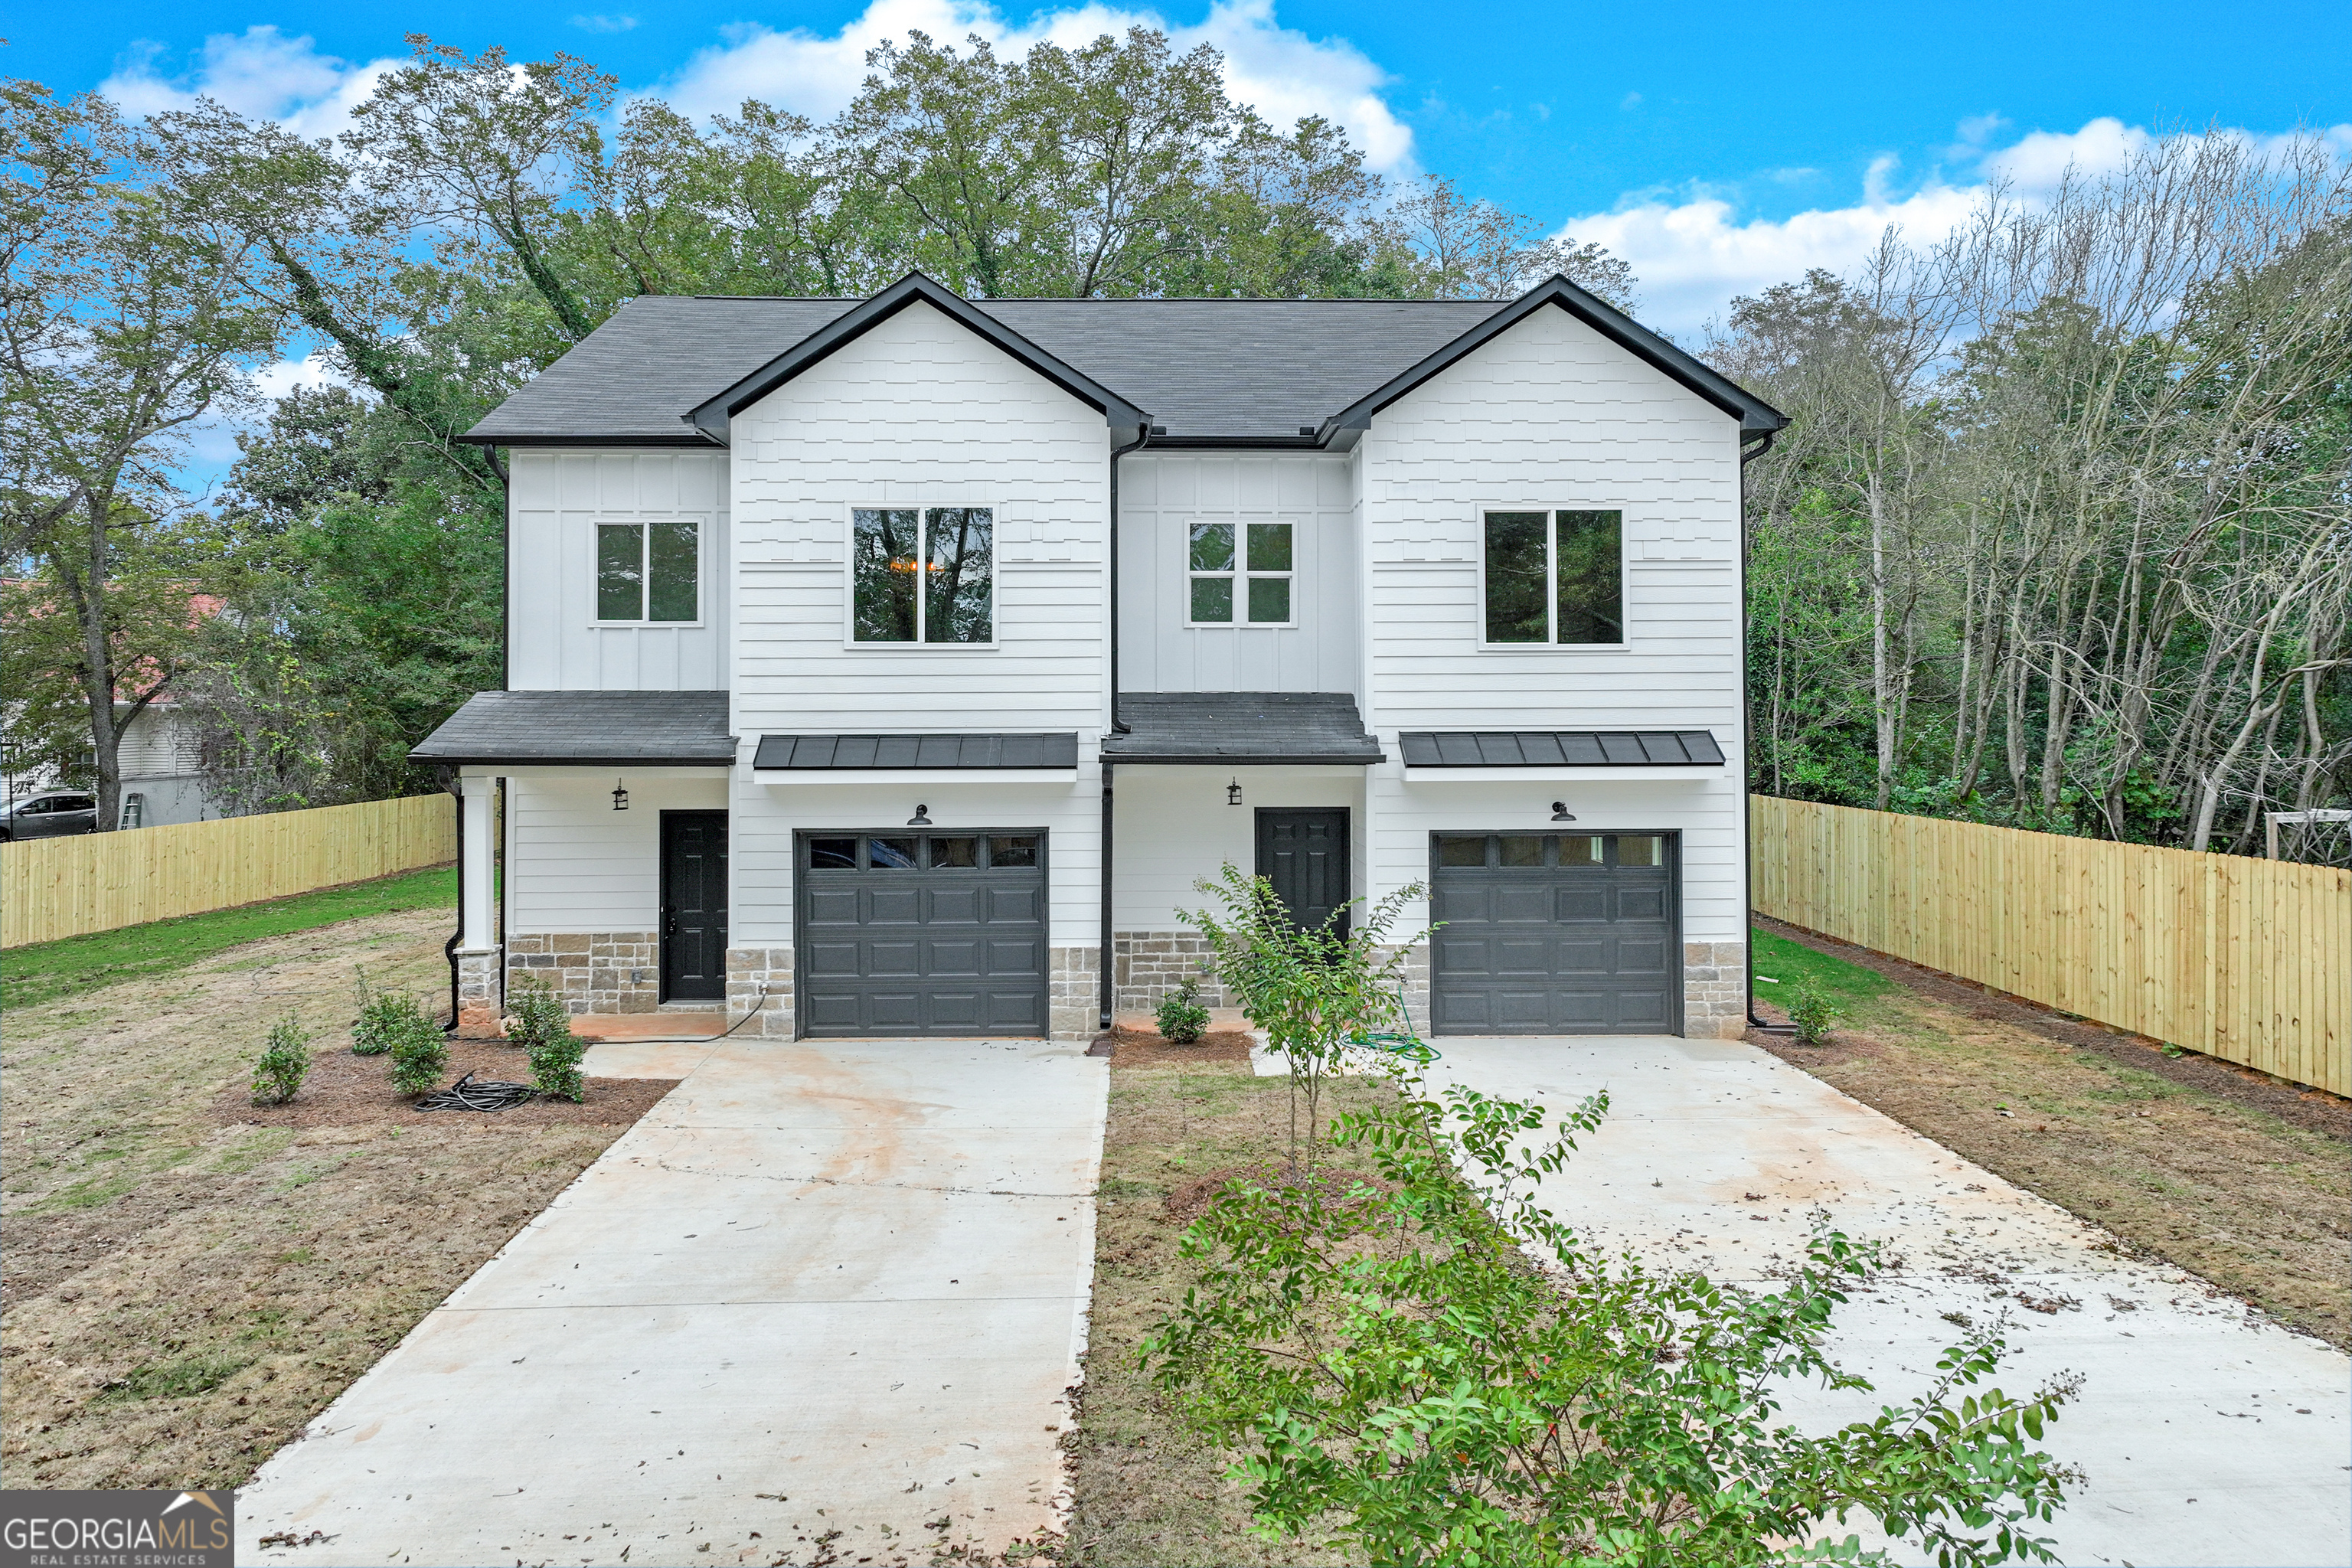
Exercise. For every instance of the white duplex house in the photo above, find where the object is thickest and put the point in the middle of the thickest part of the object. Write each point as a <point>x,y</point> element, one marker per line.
<point>895,666</point>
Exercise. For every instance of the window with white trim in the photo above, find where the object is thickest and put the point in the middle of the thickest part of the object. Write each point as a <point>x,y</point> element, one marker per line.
<point>1240,574</point>
<point>648,571</point>
<point>1555,577</point>
<point>923,574</point>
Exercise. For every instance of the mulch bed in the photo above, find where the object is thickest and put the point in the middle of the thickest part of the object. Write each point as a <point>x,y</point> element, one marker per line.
<point>346,1091</point>
<point>2312,1109</point>
<point>1147,1048</point>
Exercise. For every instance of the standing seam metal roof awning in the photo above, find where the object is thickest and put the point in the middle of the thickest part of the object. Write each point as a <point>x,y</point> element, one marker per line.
<point>816,753</point>
<point>1558,748</point>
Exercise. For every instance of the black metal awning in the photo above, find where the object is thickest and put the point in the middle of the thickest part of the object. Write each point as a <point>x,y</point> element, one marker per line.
<point>602,729</point>
<point>1260,728</point>
<point>975,752</point>
<point>1558,748</point>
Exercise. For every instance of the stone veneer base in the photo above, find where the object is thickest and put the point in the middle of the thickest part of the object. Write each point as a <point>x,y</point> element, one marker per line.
<point>1715,990</point>
<point>479,1006</point>
<point>593,972</point>
<point>761,979</point>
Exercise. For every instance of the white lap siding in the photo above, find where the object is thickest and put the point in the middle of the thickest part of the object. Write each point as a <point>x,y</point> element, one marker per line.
<point>1160,496</point>
<point>918,412</point>
<point>575,865</point>
<point>1552,415</point>
<point>557,499</point>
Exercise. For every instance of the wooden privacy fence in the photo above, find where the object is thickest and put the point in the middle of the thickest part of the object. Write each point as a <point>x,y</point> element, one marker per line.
<point>2250,961</point>
<point>52,887</point>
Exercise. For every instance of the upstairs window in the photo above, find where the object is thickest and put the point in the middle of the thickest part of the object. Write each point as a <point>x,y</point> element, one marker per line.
<point>923,574</point>
<point>648,571</point>
<point>1240,574</point>
<point>1555,577</point>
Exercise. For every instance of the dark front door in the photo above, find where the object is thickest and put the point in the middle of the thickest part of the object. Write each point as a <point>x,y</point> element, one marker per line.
<point>922,933</point>
<point>693,906</point>
<point>1555,933</point>
<point>1304,853</point>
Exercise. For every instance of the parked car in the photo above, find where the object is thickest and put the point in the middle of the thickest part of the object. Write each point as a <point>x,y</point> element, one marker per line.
<point>49,815</point>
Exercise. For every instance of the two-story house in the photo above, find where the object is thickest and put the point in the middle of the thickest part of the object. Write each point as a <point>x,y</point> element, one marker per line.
<point>895,666</point>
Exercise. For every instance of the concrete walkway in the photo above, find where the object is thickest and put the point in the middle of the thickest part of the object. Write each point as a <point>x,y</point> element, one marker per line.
<point>824,1299</point>
<point>2209,1433</point>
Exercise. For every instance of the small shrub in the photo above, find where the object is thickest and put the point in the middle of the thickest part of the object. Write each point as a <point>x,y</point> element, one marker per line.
<point>1811,1009</point>
<point>419,1057</point>
<point>1181,1018</point>
<point>283,1064</point>
<point>537,1020</point>
<point>385,1018</point>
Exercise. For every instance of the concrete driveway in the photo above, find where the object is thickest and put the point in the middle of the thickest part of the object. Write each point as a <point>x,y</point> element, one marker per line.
<point>824,1299</point>
<point>2209,1433</point>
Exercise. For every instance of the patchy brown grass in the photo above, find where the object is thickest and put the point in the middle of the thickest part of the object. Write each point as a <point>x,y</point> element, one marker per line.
<point>2232,1176</point>
<point>188,1278</point>
<point>1149,1491</point>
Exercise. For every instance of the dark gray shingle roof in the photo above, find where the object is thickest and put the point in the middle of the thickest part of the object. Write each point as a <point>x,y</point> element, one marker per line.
<point>1214,728</point>
<point>657,728</point>
<point>816,752</point>
<point>1555,748</point>
<point>1251,369</point>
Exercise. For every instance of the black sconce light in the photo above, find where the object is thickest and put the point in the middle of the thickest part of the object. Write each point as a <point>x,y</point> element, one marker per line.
<point>922,817</point>
<point>620,796</point>
<point>1559,812</point>
<point>1233,793</point>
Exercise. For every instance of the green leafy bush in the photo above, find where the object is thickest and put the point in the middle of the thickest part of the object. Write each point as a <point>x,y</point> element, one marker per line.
<point>283,1064</point>
<point>1181,1018</point>
<point>537,1020</point>
<point>1386,1355</point>
<point>1811,1009</point>
<point>419,1057</point>
<point>385,1018</point>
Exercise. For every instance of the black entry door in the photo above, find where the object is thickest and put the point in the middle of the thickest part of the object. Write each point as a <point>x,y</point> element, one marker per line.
<point>1304,853</point>
<point>693,906</point>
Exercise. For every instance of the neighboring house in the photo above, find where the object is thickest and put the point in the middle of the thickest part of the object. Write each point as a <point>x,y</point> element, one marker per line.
<point>160,777</point>
<point>818,608</point>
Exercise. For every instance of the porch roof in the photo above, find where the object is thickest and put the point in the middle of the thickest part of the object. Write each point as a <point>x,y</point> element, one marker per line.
<point>632,729</point>
<point>1220,729</point>
<point>825,753</point>
<point>1556,748</point>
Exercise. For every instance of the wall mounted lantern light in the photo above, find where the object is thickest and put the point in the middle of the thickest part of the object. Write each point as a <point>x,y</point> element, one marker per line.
<point>922,817</point>
<point>1559,812</point>
<point>620,796</point>
<point>1233,793</point>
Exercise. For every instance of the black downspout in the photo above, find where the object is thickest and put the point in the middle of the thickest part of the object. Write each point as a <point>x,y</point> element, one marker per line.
<point>1117,727</point>
<point>450,782</point>
<point>1746,742</point>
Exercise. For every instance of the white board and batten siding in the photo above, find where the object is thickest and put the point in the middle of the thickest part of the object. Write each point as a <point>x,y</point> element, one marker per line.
<point>1551,415</point>
<point>558,498</point>
<point>918,412</point>
<point>1162,496</point>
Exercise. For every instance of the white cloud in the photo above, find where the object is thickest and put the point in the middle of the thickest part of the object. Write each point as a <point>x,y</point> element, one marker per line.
<point>601,24</point>
<point>1280,72</point>
<point>259,72</point>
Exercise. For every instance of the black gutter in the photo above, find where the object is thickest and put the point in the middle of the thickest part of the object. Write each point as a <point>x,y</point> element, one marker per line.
<point>1746,750</point>
<point>1117,726</point>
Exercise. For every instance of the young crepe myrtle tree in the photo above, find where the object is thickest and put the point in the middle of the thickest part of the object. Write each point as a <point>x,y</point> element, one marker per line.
<point>1432,1363</point>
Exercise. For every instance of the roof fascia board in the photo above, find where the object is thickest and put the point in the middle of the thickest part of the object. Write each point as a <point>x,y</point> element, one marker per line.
<point>569,760</point>
<point>713,416</point>
<point>689,440</point>
<point>1754,415</point>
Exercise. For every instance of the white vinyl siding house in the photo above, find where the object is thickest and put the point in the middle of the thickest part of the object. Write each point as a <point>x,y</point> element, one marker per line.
<point>877,800</point>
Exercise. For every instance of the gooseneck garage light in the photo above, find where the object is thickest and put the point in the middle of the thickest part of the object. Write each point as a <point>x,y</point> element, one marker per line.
<point>620,796</point>
<point>922,817</point>
<point>1559,812</point>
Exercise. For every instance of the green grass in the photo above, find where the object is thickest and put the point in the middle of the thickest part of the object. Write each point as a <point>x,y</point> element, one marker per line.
<point>172,1380</point>
<point>1779,959</point>
<point>46,970</point>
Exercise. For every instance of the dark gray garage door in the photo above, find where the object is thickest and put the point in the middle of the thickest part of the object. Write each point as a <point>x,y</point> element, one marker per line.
<point>922,933</point>
<point>1555,934</point>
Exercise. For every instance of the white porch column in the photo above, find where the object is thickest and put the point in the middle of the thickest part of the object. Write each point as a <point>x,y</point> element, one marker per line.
<point>479,956</point>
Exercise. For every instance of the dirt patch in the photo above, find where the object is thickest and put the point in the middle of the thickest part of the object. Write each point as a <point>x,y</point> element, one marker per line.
<point>1148,1049</point>
<point>1149,1491</point>
<point>345,1090</point>
<point>2204,1170</point>
<point>2292,1103</point>
<point>187,1281</point>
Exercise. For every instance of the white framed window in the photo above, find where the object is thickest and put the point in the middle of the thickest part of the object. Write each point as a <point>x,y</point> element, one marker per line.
<point>650,572</point>
<point>922,576</point>
<point>1551,576</point>
<point>1242,573</point>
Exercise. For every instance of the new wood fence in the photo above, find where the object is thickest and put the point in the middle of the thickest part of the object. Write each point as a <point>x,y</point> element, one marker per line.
<point>52,887</point>
<point>2250,961</point>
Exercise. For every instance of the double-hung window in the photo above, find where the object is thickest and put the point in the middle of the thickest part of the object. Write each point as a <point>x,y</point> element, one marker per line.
<point>647,571</point>
<point>1240,574</point>
<point>923,574</point>
<point>1556,577</point>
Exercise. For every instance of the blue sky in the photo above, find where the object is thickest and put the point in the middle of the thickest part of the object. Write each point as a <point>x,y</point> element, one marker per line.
<point>1719,148</point>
